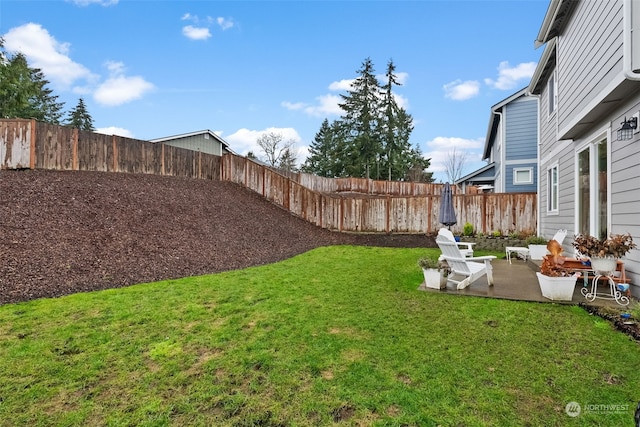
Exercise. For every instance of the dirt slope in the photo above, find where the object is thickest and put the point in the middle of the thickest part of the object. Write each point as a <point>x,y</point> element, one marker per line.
<point>67,232</point>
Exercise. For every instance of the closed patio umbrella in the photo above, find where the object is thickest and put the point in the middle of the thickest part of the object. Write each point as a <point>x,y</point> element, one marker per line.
<point>447,213</point>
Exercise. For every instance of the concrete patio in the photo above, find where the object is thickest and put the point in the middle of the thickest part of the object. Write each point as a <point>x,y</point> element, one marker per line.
<point>518,281</point>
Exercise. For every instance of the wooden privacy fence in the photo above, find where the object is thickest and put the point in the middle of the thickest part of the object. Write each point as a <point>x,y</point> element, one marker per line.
<point>35,145</point>
<point>487,212</point>
<point>344,204</point>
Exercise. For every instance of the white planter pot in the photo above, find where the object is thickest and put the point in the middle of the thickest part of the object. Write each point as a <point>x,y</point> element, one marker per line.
<point>605,265</point>
<point>434,279</point>
<point>557,288</point>
<point>537,252</point>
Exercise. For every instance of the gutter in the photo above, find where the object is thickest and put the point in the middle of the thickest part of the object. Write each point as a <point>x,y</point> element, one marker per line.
<point>549,19</point>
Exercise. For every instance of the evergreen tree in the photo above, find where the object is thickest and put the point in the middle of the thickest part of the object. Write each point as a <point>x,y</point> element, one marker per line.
<point>372,137</point>
<point>23,91</point>
<point>80,118</point>
<point>323,159</point>
<point>361,106</point>
<point>287,161</point>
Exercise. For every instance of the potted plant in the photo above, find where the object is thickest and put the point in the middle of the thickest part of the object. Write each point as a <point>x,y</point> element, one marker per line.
<point>537,247</point>
<point>435,272</point>
<point>603,253</point>
<point>557,283</point>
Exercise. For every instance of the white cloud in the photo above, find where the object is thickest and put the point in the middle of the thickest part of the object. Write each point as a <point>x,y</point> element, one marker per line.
<point>341,85</point>
<point>328,105</point>
<point>45,52</point>
<point>99,2</point>
<point>245,140</point>
<point>511,77</point>
<point>293,106</point>
<point>224,23</point>
<point>439,148</point>
<point>119,89</point>
<point>112,130</point>
<point>460,91</point>
<point>200,30</point>
<point>402,78</point>
<point>196,33</point>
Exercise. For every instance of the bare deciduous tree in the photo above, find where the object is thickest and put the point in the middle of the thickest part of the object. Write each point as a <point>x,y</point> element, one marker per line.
<point>454,164</point>
<point>273,146</point>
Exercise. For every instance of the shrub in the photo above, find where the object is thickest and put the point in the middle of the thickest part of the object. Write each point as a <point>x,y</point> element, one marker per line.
<point>537,240</point>
<point>467,230</point>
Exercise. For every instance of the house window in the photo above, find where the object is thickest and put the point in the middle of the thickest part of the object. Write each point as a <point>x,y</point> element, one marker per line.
<point>522,176</point>
<point>593,189</point>
<point>552,90</point>
<point>552,189</point>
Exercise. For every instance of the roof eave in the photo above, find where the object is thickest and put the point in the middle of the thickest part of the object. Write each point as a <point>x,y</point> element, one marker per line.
<point>541,67</point>
<point>547,23</point>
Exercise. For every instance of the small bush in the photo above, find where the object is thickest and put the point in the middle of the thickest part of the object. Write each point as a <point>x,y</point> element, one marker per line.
<point>467,230</point>
<point>537,240</point>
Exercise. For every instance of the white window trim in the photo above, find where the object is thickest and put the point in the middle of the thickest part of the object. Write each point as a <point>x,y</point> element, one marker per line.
<point>515,175</point>
<point>553,100</point>
<point>550,210</point>
<point>592,142</point>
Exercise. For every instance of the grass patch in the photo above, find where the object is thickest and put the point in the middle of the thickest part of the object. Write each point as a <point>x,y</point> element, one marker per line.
<point>338,335</point>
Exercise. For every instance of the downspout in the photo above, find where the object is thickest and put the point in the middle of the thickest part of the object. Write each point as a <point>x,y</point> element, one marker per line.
<point>538,144</point>
<point>503,150</point>
<point>631,40</point>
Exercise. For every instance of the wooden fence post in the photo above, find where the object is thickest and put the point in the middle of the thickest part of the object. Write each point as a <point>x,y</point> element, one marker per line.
<point>32,146</point>
<point>483,214</point>
<point>388,213</point>
<point>114,146</point>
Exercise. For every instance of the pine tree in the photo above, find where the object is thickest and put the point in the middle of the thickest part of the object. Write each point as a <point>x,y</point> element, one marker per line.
<point>80,118</point>
<point>323,159</point>
<point>361,106</point>
<point>288,161</point>
<point>24,93</point>
<point>372,137</point>
<point>397,126</point>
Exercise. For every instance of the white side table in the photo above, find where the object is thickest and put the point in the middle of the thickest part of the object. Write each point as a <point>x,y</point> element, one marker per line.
<point>519,251</point>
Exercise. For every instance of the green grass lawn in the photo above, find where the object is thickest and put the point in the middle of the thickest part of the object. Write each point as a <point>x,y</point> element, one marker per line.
<point>338,335</point>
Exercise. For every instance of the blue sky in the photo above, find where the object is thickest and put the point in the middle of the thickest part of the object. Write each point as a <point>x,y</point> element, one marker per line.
<point>149,69</point>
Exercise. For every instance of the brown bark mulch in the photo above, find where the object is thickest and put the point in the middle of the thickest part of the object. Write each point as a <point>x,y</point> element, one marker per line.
<point>63,232</point>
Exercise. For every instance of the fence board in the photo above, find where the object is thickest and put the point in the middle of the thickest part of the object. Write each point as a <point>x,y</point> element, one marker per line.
<point>15,144</point>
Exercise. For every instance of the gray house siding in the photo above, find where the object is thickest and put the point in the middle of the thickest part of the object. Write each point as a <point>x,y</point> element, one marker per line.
<point>198,143</point>
<point>522,135</point>
<point>521,131</point>
<point>594,96</point>
<point>584,74</point>
<point>512,143</point>
<point>625,190</point>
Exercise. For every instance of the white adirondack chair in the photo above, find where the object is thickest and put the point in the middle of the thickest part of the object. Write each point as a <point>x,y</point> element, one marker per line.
<point>464,270</point>
<point>465,247</point>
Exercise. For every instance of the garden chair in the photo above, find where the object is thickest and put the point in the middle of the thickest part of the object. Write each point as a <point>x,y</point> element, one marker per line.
<point>465,247</point>
<point>524,252</point>
<point>464,270</point>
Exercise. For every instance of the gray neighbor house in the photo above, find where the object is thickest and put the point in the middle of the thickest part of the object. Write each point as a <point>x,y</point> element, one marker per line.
<point>204,141</point>
<point>588,84</point>
<point>510,147</point>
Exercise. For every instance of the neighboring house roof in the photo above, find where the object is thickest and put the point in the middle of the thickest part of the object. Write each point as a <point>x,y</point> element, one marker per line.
<point>485,174</point>
<point>494,121</point>
<point>224,143</point>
